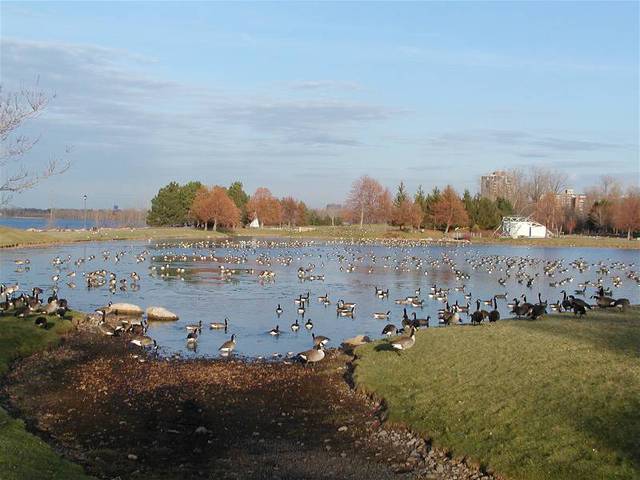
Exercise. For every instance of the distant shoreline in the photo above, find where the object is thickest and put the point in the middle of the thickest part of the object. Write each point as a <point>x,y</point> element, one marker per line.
<point>16,238</point>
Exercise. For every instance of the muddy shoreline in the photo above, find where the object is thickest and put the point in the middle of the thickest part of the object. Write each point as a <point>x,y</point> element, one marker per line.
<point>123,413</point>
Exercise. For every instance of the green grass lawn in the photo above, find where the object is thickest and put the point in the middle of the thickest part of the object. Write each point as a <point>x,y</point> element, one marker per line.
<point>24,456</point>
<point>557,398</point>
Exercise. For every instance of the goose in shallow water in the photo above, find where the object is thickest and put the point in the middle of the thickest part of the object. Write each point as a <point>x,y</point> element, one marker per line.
<point>229,345</point>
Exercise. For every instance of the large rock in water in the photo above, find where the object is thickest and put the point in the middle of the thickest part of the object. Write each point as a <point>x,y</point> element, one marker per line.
<point>160,313</point>
<point>125,309</point>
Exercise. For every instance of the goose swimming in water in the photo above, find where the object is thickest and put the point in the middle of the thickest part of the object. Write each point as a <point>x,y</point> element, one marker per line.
<point>295,326</point>
<point>219,325</point>
<point>275,331</point>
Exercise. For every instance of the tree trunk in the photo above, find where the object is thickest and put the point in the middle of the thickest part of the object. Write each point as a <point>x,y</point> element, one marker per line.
<point>361,216</point>
<point>215,225</point>
<point>446,230</point>
<point>629,234</point>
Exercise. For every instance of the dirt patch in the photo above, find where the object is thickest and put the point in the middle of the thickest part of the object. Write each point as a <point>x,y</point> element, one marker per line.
<point>122,414</point>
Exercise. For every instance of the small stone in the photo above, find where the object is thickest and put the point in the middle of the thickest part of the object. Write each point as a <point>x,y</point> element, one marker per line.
<point>343,428</point>
<point>132,456</point>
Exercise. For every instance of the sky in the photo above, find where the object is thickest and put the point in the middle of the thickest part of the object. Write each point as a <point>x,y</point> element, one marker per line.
<point>305,97</point>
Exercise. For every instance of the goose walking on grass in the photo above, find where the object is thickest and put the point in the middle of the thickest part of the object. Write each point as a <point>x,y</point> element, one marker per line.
<point>405,342</point>
<point>494,315</point>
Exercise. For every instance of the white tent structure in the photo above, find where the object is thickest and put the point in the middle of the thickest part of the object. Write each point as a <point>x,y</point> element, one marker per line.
<point>516,227</point>
<point>255,223</point>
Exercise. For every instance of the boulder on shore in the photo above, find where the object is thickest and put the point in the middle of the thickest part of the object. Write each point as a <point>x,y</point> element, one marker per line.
<point>160,313</point>
<point>125,309</point>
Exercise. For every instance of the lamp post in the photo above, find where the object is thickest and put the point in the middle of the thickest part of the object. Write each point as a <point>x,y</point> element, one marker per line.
<point>85,210</point>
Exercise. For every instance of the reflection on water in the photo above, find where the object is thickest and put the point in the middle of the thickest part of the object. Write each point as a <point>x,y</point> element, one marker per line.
<point>245,281</point>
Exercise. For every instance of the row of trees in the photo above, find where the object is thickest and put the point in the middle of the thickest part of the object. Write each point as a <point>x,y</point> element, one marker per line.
<point>370,202</point>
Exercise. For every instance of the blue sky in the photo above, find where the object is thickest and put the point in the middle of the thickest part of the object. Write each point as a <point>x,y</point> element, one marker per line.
<point>305,97</point>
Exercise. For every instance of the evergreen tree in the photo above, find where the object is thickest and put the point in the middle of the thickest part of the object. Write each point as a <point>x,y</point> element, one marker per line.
<point>172,203</point>
<point>401,195</point>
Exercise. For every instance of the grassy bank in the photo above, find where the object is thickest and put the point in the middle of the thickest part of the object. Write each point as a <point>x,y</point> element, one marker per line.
<point>11,237</point>
<point>553,399</point>
<point>23,455</point>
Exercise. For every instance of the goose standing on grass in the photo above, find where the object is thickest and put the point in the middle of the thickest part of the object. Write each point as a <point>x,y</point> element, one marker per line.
<point>405,342</point>
<point>389,329</point>
<point>622,303</point>
<point>219,325</point>
<point>228,346</point>
<point>477,317</point>
<point>494,315</point>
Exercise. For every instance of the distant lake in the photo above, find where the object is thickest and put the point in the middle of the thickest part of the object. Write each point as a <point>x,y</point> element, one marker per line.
<point>40,223</point>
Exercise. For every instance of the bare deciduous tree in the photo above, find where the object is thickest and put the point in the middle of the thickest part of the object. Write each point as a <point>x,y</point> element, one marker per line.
<point>16,109</point>
<point>369,201</point>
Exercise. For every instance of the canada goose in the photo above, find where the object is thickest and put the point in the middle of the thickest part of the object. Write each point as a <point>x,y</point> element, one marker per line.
<point>405,342</point>
<point>537,311</point>
<point>579,310</point>
<point>301,309</point>
<point>41,322</point>
<point>342,304</point>
<point>622,303</point>
<point>420,322</point>
<point>314,355</point>
<point>278,310</point>
<point>295,326</point>
<point>219,325</point>
<point>323,298</point>
<point>494,315</point>
<point>540,302</point>
<point>142,341</point>
<point>194,327</point>
<point>319,339</point>
<point>381,315</point>
<point>229,345</point>
<point>604,302</point>
<point>579,301</point>
<point>192,338</point>
<point>308,324</point>
<point>477,317</point>
<point>566,303</point>
<point>275,331</point>
<point>389,329</point>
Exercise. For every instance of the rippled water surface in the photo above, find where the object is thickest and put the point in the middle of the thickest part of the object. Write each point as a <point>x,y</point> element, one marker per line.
<point>203,291</point>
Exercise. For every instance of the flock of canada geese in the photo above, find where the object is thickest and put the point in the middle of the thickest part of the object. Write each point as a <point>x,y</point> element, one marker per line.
<point>456,302</point>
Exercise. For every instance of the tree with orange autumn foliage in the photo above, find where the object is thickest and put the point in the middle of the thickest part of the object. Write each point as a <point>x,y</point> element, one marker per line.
<point>407,213</point>
<point>449,210</point>
<point>294,212</point>
<point>265,207</point>
<point>215,206</point>
<point>626,213</point>
<point>369,201</point>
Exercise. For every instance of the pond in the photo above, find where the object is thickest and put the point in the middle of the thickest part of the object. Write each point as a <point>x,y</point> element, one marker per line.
<point>211,282</point>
